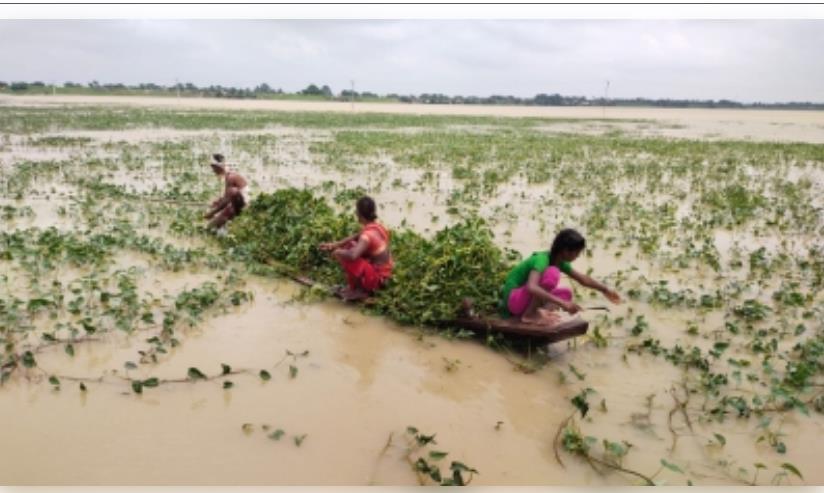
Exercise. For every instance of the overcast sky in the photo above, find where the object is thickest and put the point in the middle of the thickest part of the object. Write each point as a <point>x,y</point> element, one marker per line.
<point>742,60</point>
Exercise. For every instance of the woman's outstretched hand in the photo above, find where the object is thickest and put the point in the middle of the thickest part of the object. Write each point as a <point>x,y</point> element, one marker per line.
<point>327,247</point>
<point>571,308</point>
<point>612,296</point>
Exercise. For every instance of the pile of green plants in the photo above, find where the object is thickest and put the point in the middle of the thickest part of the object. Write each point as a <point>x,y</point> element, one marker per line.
<point>431,276</point>
<point>287,226</point>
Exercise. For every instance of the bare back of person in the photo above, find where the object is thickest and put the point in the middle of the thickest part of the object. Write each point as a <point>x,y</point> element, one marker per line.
<point>233,200</point>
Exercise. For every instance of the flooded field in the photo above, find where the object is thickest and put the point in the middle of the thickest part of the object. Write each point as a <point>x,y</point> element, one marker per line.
<point>139,349</point>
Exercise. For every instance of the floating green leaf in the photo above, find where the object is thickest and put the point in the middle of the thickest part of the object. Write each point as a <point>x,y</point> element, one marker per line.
<point>575,372</point>
<point>425,439</point>
<point>28,359</point>
<point>671,466</point>
<point>792,469</point>
<point>151,382</point>
<point>195,374</point>
<point>580,401</point>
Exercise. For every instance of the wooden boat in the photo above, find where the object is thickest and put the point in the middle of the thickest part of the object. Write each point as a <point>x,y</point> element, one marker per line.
<point>565,329</point>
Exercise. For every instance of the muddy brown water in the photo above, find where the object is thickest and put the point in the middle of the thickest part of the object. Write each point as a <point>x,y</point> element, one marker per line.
<point>364,380</point>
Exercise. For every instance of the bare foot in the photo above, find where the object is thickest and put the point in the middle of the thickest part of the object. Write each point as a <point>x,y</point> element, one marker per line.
<point>550,307</point>
<point>467,308</point>
<point>532,319</point>
<point>349,294</point>
<point>549,317</point>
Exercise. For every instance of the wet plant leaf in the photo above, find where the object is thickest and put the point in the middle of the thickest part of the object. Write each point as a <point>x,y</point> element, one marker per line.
<point>299,439</point>
<point>277,434</point>
<point>265,375</point>
<point>671,466</point>
<point>70,349</point>
<point>580,401</point>
<point>151,382</point>
<point>227,384</point>
<point>293,371</point>
<point>82,387</point>
<point>437,455</point>
<point>195,374</point>
<point>575,372</point>
<point>28,359</point>
<point>137,386</point>
<point>425,439</point>
<point>792,469</point>
<point>225,369</point>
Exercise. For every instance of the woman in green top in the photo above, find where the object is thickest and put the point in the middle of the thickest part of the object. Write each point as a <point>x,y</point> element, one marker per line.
<point>532,285</point>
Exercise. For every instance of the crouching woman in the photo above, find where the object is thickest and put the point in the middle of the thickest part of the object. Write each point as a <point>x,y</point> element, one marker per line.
<point>364,256</point>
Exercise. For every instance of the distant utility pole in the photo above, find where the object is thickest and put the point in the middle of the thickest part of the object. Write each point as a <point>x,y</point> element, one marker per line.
<point>352,95</point>
<point>606,95</point>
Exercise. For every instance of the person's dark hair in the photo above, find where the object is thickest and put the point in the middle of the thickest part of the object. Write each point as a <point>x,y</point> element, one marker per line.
<point>567,240</point>
<point>366,208</point>
<point>219,158</point>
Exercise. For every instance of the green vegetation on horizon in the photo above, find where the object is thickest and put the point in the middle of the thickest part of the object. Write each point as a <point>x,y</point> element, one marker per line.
<point>263,91</point>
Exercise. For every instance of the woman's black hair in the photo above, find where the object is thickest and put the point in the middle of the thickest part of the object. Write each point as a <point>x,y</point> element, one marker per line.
<point>366,208</point>
<point>567,240</point>
<point>218,157</point>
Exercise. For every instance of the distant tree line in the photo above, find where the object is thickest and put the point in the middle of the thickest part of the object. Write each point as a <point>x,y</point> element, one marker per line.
<point>325,92</point>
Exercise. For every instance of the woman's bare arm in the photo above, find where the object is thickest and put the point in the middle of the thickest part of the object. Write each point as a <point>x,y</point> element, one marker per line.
<point>535,289</point>
<point>353,253</point>
<point>587,281</point>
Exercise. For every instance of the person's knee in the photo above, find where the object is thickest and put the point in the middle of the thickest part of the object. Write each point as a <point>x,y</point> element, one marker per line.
<point>550,278</point>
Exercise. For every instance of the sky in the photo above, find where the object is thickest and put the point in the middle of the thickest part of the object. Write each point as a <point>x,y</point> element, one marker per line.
<point>742,60</point>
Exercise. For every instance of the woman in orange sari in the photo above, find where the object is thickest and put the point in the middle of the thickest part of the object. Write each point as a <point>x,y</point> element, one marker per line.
<point>365,256</point>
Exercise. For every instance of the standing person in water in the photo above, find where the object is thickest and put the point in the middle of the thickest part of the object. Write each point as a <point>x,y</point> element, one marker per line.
<point>531,289</point>
<point>233,200</point>
<point>364,256</point>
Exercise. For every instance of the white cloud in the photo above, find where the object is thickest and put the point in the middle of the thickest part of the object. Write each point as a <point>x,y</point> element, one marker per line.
<point>746,60</point>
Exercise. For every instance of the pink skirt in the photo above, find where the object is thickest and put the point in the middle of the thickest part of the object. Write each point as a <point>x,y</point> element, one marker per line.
<point>520,298</point>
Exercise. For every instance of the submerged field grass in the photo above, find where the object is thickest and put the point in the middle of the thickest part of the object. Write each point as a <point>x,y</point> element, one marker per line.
<point>717,248</point>
<point>21,120</point>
